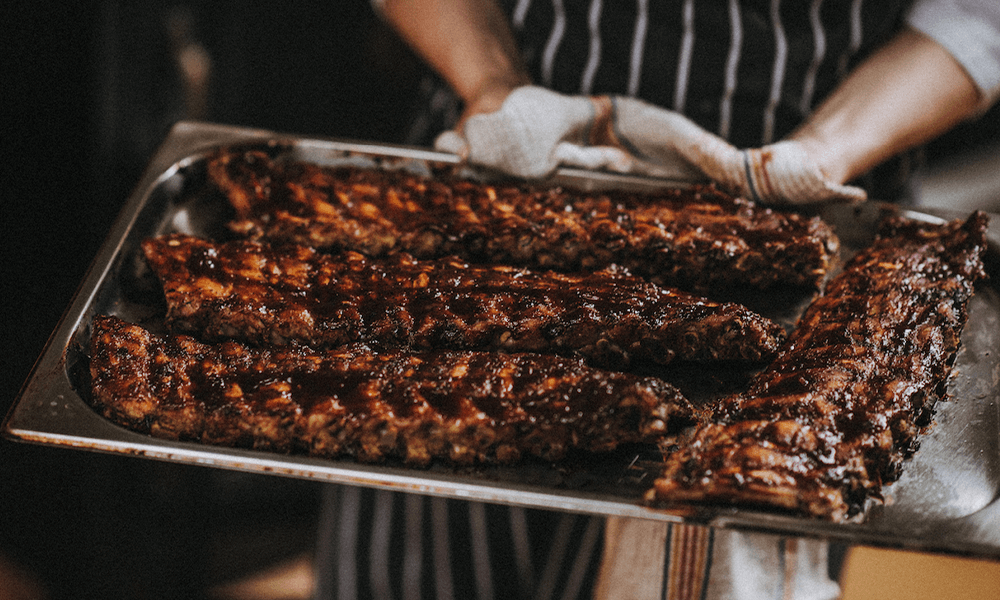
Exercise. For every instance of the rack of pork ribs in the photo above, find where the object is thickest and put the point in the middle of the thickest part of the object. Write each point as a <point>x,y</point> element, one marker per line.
<point>831,419</point>
<point>382,314</point>
<point>697,239</point>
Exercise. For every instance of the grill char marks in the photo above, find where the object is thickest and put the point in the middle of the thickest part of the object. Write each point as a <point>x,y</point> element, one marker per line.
<point>464,407</point>
<point>260,293</point>
<point>699,239</point>
<point>833,417</point>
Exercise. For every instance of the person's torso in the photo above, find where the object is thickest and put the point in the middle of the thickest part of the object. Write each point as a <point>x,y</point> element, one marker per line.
<point>749,70</point>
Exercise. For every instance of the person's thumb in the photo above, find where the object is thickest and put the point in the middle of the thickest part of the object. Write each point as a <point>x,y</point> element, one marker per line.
<point>453,142</point>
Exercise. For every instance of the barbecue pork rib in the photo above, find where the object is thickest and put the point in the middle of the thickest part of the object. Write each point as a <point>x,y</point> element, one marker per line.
<point>821,428</point>
<point>697,239</point>
<point>463,407</point>
<point>261,293</point>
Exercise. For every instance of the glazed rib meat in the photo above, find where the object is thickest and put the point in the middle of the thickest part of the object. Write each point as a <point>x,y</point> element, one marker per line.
<point>462,407</point>
<point>698,239</point>
<point>261,293</point>
<point>824,426</point>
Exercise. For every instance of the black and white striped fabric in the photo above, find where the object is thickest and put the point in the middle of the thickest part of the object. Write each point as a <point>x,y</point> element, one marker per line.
<point>384,545</point>
<point>748,70</point>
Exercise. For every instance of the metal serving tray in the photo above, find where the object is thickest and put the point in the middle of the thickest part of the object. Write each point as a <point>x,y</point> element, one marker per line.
<point>948,499</point>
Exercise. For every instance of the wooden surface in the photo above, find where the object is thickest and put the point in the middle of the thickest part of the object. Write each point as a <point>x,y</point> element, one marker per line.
<point>878,574</point>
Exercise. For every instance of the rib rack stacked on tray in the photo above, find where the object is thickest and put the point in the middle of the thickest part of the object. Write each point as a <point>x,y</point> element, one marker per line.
<point>832,418</point>
<point>697,239</point>
<point>260,293</point>
<point>463,406</point>
<point>382,314</point>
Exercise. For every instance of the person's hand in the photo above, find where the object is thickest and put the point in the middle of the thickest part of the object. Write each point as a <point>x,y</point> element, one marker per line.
<point>534,131</point>
<point>537,130</point>
<point>780,173</point>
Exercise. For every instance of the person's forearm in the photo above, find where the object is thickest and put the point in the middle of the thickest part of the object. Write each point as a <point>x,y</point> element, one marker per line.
<point>468,42</point>
<point>906,94</point>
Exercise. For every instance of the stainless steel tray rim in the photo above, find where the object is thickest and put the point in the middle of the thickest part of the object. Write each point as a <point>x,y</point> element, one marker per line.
<point>976,533</point>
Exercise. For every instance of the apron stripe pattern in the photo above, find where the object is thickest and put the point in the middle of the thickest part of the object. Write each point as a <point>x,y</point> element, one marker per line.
<point>388,545</point>
<point>687,563</point>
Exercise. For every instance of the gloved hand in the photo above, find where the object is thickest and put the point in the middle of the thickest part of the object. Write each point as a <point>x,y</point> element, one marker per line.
<point>779,173</point>
<point>537,130</point>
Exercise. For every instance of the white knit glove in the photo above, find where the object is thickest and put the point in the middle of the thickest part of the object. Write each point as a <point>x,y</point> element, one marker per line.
<point>537,130</point>
<point>780,173</point>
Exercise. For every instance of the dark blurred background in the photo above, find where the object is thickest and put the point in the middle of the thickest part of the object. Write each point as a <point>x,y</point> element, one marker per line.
<point>90,89</point>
